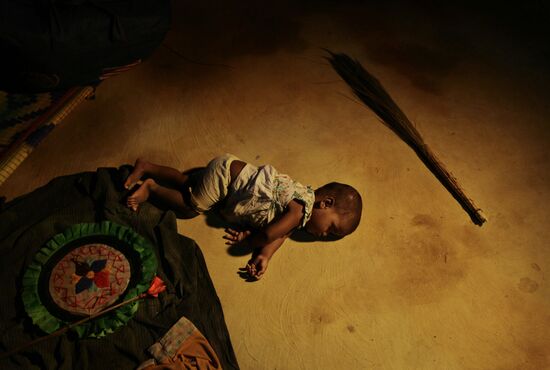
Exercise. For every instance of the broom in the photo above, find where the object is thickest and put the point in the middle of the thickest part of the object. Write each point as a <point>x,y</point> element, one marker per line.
<point>367,88</point>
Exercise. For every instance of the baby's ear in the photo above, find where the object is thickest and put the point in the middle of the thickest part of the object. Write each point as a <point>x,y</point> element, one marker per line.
<point>329,202</point>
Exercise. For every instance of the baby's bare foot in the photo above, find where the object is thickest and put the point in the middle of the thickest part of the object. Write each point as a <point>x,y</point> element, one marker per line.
<point>140,195</point>
<point>139,170</point>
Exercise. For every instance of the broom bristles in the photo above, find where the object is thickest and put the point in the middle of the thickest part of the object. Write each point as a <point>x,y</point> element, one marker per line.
<point>369,90</point>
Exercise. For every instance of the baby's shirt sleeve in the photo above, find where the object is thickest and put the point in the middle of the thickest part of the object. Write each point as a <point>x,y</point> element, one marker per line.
<point>287,190</point>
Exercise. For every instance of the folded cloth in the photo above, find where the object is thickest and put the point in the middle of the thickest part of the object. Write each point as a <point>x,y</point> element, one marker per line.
<point>182,347</point>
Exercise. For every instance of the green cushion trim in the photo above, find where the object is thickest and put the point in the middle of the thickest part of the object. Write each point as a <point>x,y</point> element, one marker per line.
<point>102,325</point>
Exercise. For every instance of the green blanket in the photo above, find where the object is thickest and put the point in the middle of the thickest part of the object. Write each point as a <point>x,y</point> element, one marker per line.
<point>29,221</point>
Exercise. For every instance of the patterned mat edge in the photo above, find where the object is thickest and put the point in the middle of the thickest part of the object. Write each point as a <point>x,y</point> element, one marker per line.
<point>39,129</point>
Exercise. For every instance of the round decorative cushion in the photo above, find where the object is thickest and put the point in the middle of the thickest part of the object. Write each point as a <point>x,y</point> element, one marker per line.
<point>84,270</point>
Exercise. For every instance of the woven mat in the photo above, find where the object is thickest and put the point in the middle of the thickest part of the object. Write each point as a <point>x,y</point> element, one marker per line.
<point>26,119</point>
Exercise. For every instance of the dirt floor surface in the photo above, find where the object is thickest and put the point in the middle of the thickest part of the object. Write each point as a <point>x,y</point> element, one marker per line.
<point>418,285</point>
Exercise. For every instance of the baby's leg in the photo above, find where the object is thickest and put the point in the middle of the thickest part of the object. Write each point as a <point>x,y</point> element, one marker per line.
<point>168,175</point>
<point>170,198</point>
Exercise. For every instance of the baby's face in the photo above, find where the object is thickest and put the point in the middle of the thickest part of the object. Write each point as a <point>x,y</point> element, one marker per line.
<point>325,223</point>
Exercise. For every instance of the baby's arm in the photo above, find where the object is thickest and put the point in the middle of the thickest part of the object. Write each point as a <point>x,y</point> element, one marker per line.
<point>279,228</point>
<point>260,258</point>
<point>267,241</point>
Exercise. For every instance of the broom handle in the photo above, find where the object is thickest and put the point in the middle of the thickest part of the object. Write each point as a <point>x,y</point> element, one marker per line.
<point>450,183</point>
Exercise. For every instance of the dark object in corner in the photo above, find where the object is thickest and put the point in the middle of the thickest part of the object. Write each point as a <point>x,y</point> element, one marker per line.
<point>49,45</point>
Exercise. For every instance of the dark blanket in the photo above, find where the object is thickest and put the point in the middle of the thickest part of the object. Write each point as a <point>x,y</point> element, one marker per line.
<point>29,221</point>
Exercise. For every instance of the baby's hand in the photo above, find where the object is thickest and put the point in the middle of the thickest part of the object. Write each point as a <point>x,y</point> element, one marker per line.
<point>257,265</point>
<point>235,237</point>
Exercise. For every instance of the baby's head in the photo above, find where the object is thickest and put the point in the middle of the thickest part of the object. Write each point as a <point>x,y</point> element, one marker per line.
<point>336,212</point>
